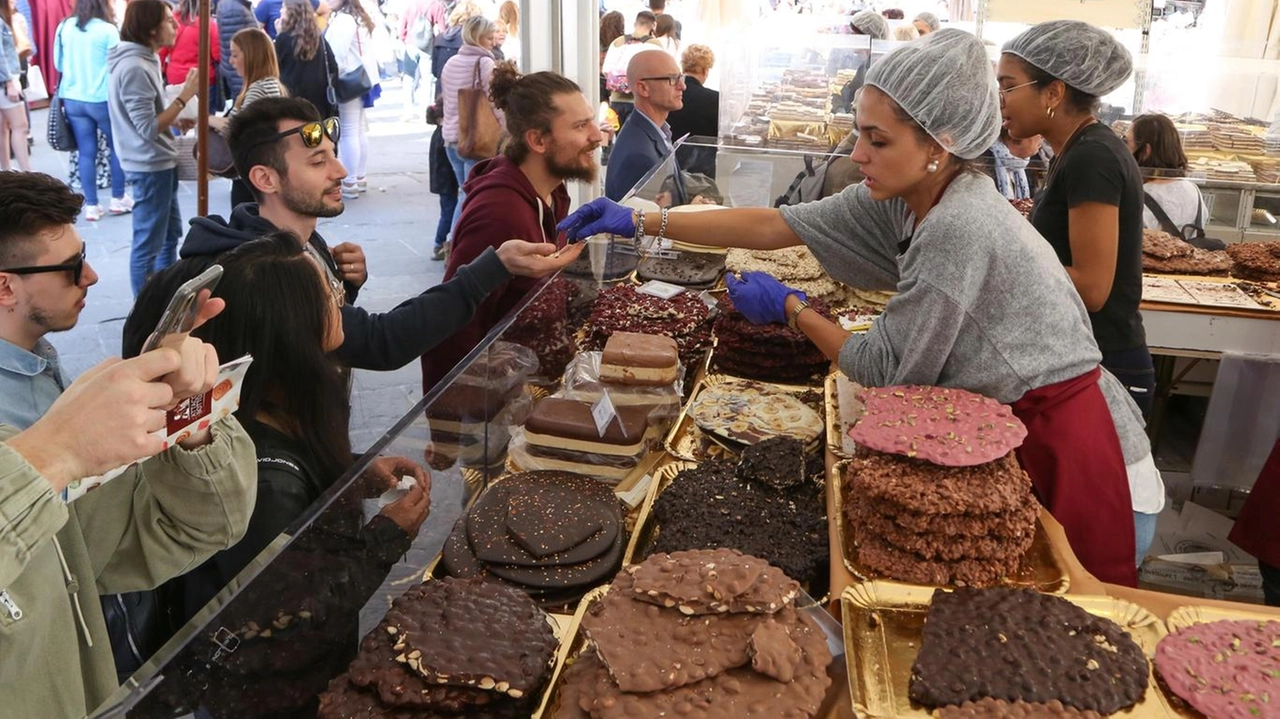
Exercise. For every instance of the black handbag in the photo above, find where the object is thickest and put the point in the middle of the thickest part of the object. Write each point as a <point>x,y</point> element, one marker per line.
<point>355,82</point>
<point>1192,234</point>
<point>221,162</point>
<point>59,133</point>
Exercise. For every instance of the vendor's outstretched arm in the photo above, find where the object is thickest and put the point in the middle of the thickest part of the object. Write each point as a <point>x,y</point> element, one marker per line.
<point>749,227</point>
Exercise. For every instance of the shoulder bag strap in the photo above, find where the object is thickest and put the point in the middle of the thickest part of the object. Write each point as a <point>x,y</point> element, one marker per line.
<point>1162,217</point>
<point>475,82</point>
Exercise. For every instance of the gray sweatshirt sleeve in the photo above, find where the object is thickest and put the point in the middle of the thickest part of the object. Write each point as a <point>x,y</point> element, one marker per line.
<point>854,237</point>
<point>391,340</point>
<point>930,322</point>
<point>138,97</point>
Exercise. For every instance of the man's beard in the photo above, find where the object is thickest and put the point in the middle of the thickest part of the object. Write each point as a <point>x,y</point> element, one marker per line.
<point>40,318</point>
<point>585,170</point>
<point>311,207</point>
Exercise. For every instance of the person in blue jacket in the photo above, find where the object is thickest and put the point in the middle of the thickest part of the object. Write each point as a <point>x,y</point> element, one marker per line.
<point>645,138</point>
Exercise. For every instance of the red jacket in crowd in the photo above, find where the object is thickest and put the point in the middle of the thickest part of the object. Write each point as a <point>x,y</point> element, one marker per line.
<point>185,53</point>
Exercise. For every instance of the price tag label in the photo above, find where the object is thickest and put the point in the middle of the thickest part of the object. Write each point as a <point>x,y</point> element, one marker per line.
<point>658,288</point>
<point>603,412</point>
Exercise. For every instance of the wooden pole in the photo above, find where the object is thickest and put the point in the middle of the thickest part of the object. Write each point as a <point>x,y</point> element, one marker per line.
<point>202,122</point>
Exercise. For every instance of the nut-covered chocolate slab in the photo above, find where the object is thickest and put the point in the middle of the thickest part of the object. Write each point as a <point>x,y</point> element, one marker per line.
<point>712,581</point>
<point>943,425</point>
<point>777,463</point>
<point>344,700</point>
<point>375,668</point>
<point>1018,644</point>
<point>649,648</point>
<point>448,631</point>
<point>1225,669</point>
<point>998,486</point>
<point>740,693</point>
<point>998,709</point>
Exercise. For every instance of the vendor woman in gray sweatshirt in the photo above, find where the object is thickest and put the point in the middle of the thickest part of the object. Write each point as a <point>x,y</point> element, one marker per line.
<point>982,302</point>
<point>142,122</point>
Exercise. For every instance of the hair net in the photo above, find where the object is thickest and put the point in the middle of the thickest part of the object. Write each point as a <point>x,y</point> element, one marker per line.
<point>944,82</point>
<point>1077,53</point>
<point>929,19</point>
<point>871,23</point>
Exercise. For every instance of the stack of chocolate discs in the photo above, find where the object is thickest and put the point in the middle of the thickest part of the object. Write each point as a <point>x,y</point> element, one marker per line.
<point>712,633</point>
<point>449,647</point>
<point>553,535</point>
<point>936,496</point>
<point>771,352</point>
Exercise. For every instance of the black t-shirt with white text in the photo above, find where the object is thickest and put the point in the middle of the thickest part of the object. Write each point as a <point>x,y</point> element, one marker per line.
<point>1098,167</point>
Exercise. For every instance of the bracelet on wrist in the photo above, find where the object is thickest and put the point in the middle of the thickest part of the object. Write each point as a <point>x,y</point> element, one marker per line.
<point>181,103</point>
<point>794,317</point>
<point>662,228</point>
<point>639,228</point>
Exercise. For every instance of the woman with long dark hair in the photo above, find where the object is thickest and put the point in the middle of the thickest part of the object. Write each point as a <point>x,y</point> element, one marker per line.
<point>141,120</point>
<point>80,47</point>
<point>13,109</point>
<point>283,311</point>
<point>306,61</point>
<point>350,34</point>
<point>1157,147</point>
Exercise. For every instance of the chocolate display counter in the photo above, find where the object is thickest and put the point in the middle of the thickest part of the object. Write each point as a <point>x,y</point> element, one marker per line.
<point>512,600</point>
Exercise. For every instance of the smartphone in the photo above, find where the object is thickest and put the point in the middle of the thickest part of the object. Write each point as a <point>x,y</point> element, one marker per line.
<point>180,315</point>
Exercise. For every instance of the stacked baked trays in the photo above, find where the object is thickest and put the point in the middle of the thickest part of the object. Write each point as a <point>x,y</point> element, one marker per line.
<point>770,352</point>
<point>698,634</point>
<point>935,495</point>
<point>1166,254</point>
<point>448,648</point>
<point>469,419</point>
<point>1257,261</point>
<point>551,535</point>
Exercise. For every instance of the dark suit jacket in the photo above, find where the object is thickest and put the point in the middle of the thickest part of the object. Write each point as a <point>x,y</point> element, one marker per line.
<point>699,117</point>
<point>638,149</point>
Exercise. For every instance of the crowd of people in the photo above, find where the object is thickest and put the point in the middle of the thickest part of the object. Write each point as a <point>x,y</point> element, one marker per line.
<point>1063,343</point>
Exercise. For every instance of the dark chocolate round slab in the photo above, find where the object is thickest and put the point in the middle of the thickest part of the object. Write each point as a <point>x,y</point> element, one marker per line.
<point>592,571</point>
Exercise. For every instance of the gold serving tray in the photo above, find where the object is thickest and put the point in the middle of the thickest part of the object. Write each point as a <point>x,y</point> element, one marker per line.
<point>574,641</point>
<point>1193,614</point>
<point>884,625</point>
<point>688,442</point>
<point>838,441</point>
<point>1040,570</point>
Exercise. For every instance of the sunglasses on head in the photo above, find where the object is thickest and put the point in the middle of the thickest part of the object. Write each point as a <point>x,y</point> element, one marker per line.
<point>312,133</point>
<point>75,267</point>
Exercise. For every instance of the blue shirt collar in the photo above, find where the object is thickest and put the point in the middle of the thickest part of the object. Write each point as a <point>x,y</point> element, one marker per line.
<point>19,361</point>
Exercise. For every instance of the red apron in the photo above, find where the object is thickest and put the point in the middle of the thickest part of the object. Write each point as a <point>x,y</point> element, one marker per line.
<point>1256,531</point>
<point>1073,455</point>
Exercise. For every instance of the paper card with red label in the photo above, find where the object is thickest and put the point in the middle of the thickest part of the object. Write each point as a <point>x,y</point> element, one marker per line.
<point>189,416</point>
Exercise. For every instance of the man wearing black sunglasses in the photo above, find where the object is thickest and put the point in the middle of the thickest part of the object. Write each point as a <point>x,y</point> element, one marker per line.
<point>645,138</point>
<point>56,556</point>
<point>286,153</point>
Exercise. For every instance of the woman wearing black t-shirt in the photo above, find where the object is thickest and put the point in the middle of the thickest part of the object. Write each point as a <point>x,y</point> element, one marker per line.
<point>1090,207</point>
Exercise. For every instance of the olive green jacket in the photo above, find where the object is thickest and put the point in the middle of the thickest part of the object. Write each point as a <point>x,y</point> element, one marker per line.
<point>159,519</point>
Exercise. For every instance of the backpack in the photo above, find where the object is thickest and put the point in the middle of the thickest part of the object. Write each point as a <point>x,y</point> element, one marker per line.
<point>422,35</point>
<point>616,60</point>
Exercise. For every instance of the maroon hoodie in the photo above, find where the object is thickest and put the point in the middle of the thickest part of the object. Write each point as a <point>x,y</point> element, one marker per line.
<point>500,205</point>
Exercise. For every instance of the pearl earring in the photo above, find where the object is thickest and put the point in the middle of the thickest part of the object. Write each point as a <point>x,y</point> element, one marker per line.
<point>932,166</point>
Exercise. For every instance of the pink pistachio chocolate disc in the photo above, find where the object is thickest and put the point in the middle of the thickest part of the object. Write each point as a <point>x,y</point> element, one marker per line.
<point>950,427</point>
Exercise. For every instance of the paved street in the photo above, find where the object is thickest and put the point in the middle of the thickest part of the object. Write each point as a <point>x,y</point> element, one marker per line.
<point>395,223</point>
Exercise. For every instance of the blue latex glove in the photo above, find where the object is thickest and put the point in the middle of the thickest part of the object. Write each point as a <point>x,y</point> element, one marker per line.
<point>761,298</point>
<point>596,217</point>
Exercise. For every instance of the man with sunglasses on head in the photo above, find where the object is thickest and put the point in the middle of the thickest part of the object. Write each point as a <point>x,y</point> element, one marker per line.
<point>286,153</point>
<point>645,138</point>
<point>157,519</point>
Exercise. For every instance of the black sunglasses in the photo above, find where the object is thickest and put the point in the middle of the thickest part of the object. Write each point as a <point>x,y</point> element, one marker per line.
<point>312,133</point>
<point>75,267</point>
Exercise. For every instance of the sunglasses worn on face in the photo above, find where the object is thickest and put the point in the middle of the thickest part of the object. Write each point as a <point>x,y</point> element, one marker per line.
<point>312,133</point>
<point>671,80</point>
<point>75,267</point>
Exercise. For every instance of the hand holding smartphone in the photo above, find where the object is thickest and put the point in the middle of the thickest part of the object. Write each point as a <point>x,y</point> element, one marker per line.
<point>184,309</point>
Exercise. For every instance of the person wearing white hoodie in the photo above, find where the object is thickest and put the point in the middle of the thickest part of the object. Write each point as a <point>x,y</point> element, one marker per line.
<point>141,121</point>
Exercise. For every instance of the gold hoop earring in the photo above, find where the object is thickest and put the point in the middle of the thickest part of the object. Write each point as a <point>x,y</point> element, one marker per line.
<point>1048,111</point>
<point>932,166</point>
